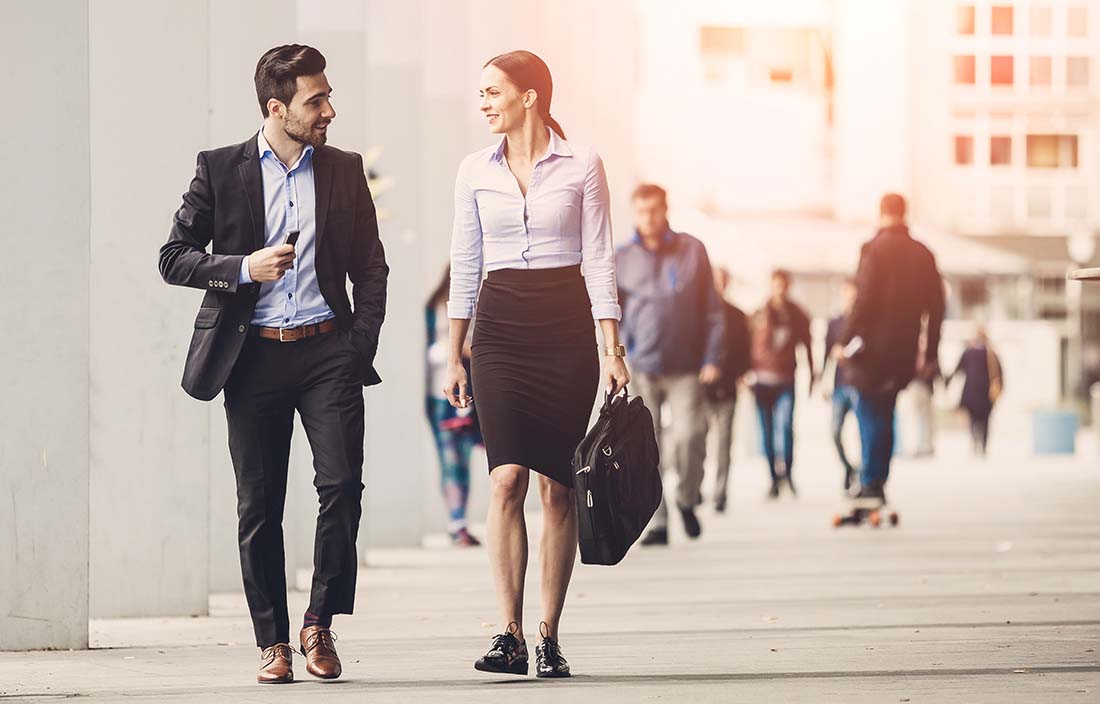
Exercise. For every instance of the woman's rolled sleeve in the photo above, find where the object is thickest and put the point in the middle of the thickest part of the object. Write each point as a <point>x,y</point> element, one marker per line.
<point>466,249</point>
<point>597,245</point>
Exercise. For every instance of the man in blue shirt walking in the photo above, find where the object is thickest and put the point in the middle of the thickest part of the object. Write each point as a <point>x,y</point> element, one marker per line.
<point>673,327</point>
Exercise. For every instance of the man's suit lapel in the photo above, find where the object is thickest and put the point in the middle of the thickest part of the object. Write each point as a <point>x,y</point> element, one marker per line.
<point>252,180</point>
<point>322,183</point>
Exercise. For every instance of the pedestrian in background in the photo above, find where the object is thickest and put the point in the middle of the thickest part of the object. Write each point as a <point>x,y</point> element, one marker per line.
<point>456,430</point>
<point>899,294</point>
<point>920,393</point>
<point>721,395</point>
<point>843,396</point>
<point>778,329</point>
<point>673,327</point>
<point>984,383</point>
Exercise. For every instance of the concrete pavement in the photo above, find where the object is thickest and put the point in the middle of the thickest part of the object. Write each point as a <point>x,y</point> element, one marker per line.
<point>988,591</point>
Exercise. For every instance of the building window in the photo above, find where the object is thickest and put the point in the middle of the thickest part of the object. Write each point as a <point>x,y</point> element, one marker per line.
<point>1041,21</point>
<point>1041,70</point>
<point>1000,70</point>
<point>1000,150</point>
<point>1077,203</point>
<point>1001,204</point>
<point>964,70</point>
<point>1052,151</point>
<point>1002,19</point>
<point>1077,22</point>
<point>1077,71</point>
<point>721,49</point>
<point>964,149</point>
<point>1038,203</point>
<point>964,19</point>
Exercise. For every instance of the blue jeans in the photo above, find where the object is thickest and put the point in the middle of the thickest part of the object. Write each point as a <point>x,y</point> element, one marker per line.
<point>875,414</point>
<point>844,402</point>
<point>775,409</point>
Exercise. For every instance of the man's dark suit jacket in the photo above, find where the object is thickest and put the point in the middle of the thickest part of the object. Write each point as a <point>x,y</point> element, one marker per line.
<point>225,206</point>
<point>897,284</point>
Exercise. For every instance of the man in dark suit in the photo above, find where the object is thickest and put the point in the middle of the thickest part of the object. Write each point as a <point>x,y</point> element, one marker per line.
<point>288,221</point>
<point>899,292</point>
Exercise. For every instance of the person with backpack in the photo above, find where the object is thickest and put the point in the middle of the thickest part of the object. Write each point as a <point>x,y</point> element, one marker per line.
<point>721,395</point>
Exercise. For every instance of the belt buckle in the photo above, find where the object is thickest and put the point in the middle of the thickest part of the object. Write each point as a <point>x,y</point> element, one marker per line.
<point>281,338</point>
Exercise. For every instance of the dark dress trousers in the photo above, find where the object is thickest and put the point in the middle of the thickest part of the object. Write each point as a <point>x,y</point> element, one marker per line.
<point>266,381</point>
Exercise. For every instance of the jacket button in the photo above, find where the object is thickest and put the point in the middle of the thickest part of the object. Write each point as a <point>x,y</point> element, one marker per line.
<point>240,328</point>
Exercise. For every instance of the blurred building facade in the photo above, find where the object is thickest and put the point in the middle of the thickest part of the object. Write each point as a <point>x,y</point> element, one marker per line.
<point>771,123</point>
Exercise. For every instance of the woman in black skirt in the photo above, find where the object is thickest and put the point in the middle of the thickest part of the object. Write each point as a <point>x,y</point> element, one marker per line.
<point>530,209</point>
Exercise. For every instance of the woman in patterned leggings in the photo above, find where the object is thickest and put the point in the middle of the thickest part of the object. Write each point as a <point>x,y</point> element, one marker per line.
<point>456,430</point>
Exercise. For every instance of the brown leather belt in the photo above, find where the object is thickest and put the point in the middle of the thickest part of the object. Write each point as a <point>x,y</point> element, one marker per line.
<point>295,334</point>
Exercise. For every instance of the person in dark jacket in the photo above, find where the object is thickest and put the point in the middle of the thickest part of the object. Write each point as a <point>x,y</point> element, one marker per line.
<point>721,396</point>
<point>899,294</point>
<point>843,395</point>
<point>777,330</point>
<point>984,382</point>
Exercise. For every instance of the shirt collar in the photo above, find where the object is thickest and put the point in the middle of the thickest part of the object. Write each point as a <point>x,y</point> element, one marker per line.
<point>666,239</point>
<point>556,147</point>
<point>263,149</point>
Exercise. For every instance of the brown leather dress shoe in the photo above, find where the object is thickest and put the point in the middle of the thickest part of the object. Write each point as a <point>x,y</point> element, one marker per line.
<point>318,645</point>
<point>275,665</point>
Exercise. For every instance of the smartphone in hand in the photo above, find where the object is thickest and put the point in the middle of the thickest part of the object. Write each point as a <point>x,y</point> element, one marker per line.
<point>292,237</point>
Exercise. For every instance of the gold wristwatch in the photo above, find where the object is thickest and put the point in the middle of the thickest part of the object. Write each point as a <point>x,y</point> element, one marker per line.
<point>616,351</point>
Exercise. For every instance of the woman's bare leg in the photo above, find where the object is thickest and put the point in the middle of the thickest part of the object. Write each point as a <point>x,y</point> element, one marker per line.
<point>558,548</point>
<point>507,540</point>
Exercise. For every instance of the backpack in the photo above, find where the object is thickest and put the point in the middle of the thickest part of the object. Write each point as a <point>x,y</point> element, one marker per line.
<point>617,480</point>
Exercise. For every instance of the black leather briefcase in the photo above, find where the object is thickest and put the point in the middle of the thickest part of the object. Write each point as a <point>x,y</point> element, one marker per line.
<point>617,478</point>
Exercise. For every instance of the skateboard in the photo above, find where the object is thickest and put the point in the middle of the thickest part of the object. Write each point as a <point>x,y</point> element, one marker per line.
<point>872,511</point>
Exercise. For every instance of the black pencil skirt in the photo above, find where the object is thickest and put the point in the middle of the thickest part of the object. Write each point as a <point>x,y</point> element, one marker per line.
<point>535,368</point>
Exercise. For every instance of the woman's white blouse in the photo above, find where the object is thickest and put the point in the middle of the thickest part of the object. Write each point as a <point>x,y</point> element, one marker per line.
<point>565,220</point>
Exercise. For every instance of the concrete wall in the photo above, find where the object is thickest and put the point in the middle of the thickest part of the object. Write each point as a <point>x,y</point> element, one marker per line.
<point>150,101</point>
<point>44,417</point>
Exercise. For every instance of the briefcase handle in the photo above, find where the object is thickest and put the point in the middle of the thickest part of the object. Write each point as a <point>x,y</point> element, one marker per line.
<point>607,396</point>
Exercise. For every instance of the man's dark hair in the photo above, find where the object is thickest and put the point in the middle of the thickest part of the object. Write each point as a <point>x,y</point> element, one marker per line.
<point>893,206</point>
<point>646,191</point>
<point>278,69</point>
<point>782,274</point>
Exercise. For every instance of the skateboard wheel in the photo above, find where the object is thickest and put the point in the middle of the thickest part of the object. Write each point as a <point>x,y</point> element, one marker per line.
<point>875,519</point>
<point>838,521</point>
<point>893,519</point>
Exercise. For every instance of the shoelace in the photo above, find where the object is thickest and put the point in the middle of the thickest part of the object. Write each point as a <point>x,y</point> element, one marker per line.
<point>551,652</point>
<point>324,637</point>
<point>549,648</point>
<point>269,654</point>
<point>506,644</point>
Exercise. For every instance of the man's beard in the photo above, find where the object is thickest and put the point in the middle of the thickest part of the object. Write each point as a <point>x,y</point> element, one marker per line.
<point>302,133</point>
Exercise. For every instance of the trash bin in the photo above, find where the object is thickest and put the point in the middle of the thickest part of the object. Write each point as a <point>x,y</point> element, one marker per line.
<point>1054,432</point>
